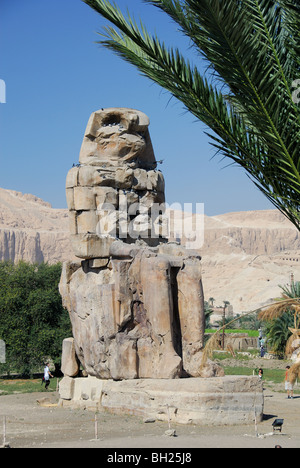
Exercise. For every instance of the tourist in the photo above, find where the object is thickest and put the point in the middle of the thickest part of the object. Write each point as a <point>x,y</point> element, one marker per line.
<point>288,385</point>
<point>47,375</point>
<point>260,373</point>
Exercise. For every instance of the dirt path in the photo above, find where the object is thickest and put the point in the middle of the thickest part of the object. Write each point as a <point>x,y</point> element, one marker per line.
<point>31,425</point>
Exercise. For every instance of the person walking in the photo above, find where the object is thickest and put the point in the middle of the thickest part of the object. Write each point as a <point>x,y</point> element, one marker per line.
<point>47,375</point>
<point>288,385</point>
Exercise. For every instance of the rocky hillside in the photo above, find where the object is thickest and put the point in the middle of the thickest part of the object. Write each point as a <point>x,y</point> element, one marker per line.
<point>31,229</point>
<point>252,233</point>
<point>245,255</point>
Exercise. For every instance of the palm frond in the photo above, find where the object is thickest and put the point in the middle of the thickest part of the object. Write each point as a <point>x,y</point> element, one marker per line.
<point>294,373</point>
<point>291,22</point>
<point>292,291</point>
<point>279,308</point>
<point>290,345</point>
<point>250,48</point>
<point>273,311</point>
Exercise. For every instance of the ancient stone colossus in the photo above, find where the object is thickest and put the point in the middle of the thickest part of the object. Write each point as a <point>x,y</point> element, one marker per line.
<point>135,300</point>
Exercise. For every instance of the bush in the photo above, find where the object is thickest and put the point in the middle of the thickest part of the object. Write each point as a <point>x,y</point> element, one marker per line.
<point>33,322</point>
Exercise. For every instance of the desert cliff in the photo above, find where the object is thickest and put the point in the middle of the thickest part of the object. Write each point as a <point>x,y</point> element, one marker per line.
<point>245,255</point>
<point>31,230</point>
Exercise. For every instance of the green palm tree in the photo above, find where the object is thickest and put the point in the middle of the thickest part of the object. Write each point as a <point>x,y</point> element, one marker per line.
<point>278,332</point>
<point>292,291</point>
<point>208,312</point>
<point>283,319</point>
<point>247,99</point>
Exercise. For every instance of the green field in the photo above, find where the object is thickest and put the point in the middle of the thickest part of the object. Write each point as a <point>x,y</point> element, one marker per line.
<point>270,377</point>
<point>9,387</point>
<point>250,333</point>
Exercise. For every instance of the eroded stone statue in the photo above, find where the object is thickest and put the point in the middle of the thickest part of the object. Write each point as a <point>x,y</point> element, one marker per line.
<point>135,301</point>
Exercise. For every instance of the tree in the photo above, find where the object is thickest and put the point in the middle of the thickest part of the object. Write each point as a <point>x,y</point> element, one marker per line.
<point>247,100</point>
<point>208,312</point>
<point>292,291</point>
<point>33,322</point>
<point>249,322</point>
<point>283,320</point>
<point>278,333</point>
<point>226,304</point>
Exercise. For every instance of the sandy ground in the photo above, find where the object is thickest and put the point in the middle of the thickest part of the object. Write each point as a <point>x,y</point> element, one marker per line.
<point>30,425</point>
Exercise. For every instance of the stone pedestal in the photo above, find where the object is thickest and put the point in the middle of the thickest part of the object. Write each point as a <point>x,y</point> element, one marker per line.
<point>230,400</point>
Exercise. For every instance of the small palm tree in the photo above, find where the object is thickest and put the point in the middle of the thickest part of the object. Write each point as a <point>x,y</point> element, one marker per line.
<point>278,332</point>
<point>292,291</point>
<point>283,319</point>
<point>208,312</point>
<point>247,100</point>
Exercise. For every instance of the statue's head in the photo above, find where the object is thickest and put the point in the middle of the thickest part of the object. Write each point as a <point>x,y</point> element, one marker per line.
<point>117,136</point>
<point>114,191</point>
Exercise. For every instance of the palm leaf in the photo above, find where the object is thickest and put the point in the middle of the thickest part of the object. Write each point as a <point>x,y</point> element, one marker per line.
<point>250,47</point>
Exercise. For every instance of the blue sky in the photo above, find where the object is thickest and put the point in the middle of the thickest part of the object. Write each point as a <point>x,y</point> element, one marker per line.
<point>56,76</point>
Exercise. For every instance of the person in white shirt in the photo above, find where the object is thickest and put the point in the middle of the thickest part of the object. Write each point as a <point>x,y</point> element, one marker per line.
<point>47,375</point>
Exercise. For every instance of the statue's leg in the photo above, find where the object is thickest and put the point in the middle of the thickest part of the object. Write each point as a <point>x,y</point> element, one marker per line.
<point>191,315</point>
<point>158,302</point>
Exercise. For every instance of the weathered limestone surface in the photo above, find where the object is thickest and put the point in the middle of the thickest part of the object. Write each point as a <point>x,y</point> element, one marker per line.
<point>228,400</point>
<point>129,319</point>
<point>111,192</point>
<point>69,362</point>
<point>135,302</point>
